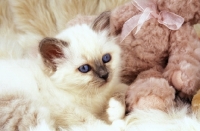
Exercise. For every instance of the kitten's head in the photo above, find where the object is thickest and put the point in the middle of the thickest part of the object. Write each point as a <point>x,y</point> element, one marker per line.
<point>83,60</point>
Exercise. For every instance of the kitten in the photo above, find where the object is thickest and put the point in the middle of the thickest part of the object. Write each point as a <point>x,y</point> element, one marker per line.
<point>75,77</point>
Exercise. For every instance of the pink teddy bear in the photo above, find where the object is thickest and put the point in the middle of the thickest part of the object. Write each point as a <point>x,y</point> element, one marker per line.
<point>160,50</point>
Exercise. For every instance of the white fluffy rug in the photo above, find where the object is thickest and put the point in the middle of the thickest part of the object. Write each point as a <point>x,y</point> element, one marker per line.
<point>150,120</point>
<point>178,119</point>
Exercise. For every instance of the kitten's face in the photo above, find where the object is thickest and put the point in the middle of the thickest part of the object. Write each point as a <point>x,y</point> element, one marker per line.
<point>84,61</point>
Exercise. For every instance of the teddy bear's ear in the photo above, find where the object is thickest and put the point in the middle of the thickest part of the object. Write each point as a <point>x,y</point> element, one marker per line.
<point>51,49</point>
<point>102,21</point>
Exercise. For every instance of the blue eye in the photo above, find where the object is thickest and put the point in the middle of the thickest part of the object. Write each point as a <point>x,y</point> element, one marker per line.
<point>106,58</point>
<point>84,68</point>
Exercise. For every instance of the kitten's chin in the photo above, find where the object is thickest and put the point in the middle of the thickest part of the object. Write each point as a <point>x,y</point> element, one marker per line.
<point>106,83</point>
<point>99,83</point>
<point>103,84</point>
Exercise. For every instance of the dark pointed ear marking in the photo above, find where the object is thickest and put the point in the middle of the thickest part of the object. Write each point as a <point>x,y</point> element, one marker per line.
<point>102,21</point>
<point>51,49</point>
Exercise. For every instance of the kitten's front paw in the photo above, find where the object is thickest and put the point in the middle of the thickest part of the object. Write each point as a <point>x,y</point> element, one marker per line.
<point>116,107</point>
<point>42,126</point>
<point>119,125</point>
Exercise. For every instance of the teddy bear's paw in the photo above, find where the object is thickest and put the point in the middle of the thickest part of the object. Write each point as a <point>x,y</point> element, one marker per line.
<point>116,107</point>
<point>177,80</point>
<point>150,93</point>
<point>187,80</point>
<point>149,102</point>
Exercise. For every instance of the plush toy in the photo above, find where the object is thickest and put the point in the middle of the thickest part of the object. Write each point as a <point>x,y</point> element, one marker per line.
<point>160,50</point>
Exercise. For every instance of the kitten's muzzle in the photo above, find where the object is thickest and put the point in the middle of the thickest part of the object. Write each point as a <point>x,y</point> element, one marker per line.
<point>104,75</point>
<point>101,71</point>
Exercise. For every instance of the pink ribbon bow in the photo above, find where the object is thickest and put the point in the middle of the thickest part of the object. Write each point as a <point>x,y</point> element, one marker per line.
<point>149,10</point>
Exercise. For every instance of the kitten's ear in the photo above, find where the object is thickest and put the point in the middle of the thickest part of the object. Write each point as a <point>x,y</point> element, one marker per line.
<point>102,21</point>
<point>51,49</point>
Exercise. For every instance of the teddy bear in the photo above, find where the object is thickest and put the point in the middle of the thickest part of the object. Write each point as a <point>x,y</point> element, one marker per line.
<point>160,50</point>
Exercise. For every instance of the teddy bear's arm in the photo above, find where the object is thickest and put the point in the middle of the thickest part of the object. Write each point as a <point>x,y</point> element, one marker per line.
<point>150,90</point>
<point>183,68</point>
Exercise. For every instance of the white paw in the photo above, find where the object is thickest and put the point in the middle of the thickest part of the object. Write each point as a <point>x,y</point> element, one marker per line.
<point>116,110</point>
<point>43,126</point>
<point>119,125</point>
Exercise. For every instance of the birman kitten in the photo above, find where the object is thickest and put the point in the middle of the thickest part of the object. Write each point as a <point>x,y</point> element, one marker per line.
<point>74,80</point>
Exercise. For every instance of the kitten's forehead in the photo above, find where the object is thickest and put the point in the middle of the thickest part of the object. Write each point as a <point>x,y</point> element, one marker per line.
<point>85,41</point>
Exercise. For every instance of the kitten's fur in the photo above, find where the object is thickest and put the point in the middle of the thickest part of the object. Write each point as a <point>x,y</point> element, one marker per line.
<point>54,81</point>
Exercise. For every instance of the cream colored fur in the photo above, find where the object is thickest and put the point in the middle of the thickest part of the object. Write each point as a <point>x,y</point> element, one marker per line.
<point>47,17</point>
<point>40,18</point>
